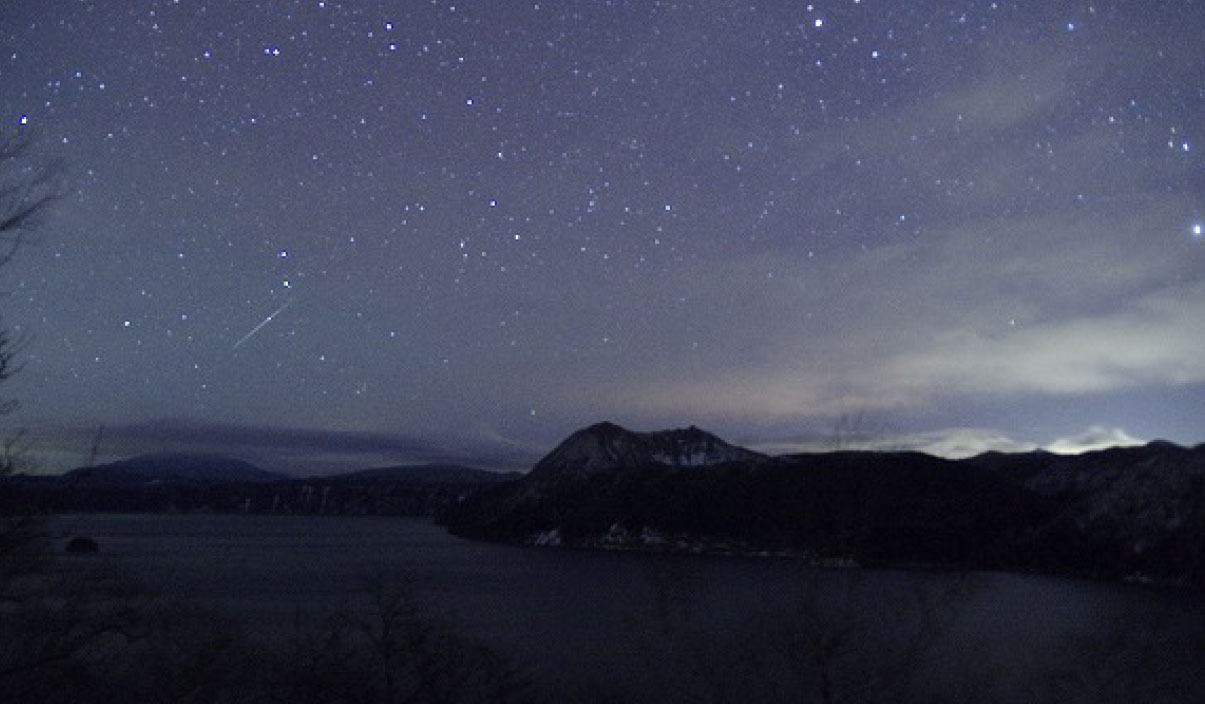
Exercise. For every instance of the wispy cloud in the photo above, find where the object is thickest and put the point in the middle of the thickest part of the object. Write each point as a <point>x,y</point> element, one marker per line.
<point>1061,305</point>
<point>959,443</point>
<point>1094,438</point>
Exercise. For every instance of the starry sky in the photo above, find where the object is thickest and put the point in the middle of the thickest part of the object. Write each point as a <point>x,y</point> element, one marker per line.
<point>320,234</point>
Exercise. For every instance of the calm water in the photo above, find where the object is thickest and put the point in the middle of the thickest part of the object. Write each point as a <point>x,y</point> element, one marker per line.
<point>695,627</point>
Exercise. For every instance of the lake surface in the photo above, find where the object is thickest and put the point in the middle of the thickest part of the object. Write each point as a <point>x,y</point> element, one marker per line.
<point>657,627</point>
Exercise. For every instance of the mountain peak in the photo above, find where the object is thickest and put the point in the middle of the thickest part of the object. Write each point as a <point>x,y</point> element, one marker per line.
<point>603,429</point>
<point>606,446</point>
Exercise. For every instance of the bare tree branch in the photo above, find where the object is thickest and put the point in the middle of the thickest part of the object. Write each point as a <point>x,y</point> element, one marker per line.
<point>24,196</point>
<point>26,192</point>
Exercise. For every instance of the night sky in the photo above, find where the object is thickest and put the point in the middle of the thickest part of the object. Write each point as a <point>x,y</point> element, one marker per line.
<point>324,234</point>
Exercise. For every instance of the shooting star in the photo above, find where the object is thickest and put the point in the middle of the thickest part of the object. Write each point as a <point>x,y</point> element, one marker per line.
<point>262,323</point>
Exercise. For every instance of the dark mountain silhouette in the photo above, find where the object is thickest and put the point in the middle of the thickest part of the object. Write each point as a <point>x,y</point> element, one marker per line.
<point>173,467</point>
<point>1134,513</point>
<point>606,447</point>
<point>1119,513</point>
<point>171,482</point>
<point>1142,508</point>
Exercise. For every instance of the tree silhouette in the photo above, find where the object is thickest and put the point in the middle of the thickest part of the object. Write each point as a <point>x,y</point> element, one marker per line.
<point>26,192</point>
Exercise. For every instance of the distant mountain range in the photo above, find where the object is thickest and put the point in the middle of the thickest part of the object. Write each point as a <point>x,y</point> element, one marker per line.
<point>211,468</point>
<point>1124,513</point>
<point>171,467</point>
<point>1136,513</point>
<point>175,482</point>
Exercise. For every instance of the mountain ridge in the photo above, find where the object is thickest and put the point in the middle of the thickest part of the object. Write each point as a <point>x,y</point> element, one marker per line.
<point>173,466</point>
<point>1118,513</point>
<point>192,482</point>
<point>608,447</point>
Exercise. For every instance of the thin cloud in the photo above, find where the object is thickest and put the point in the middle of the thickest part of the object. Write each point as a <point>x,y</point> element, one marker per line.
<point>1094,438</point>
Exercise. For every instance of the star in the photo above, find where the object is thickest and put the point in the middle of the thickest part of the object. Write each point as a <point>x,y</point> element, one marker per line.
<point>749,215</point>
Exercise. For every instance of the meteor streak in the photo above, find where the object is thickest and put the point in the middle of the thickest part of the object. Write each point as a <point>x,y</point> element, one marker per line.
<point>262,323</point>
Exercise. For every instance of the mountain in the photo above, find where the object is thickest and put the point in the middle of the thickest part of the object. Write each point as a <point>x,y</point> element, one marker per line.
<point>605,487</point>
<point>172,482</point>
<point>1143,507</point>
<point>427,474</point>
<point>1136,513</point>
<point>172,467</point>
<point>606,447</point>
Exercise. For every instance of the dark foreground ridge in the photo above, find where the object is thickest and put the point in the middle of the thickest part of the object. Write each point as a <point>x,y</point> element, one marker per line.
<point>1124,513</point>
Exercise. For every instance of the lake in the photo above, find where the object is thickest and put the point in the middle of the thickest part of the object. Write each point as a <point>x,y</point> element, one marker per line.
<point>621,626</point>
